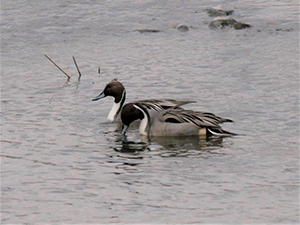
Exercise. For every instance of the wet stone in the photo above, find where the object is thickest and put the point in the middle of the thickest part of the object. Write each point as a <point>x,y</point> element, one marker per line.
<point>286,30</point>
<point>147,30</point>
<point>223,22</point>
<point>218,11</point>
<point>182,28</point>
<point>239,26</point>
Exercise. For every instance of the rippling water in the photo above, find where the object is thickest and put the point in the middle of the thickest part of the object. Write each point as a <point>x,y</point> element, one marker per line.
<point>62,162</point>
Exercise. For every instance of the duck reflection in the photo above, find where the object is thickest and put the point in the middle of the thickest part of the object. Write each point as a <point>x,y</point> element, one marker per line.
<point>191,142</point>
<point>132,147</point>
<point>173,144</point>
<point>187,146</point>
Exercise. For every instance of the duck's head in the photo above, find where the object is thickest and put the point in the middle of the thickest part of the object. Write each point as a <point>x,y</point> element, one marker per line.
<point>130,112</point>
<point>114,89</point>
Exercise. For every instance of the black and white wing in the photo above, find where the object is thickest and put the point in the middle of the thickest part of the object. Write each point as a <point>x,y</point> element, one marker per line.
<point>188,116</point>
<point>201,120</point>
<point>162,104</point>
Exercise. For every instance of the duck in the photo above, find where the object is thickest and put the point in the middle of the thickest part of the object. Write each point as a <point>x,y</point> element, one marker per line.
<point>173,122</point>
<point>117,90</point>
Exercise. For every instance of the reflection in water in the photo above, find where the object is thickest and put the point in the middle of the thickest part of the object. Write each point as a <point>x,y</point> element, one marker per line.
<point>132,147</point>
<point>186,146</point>
<point>192,142</point>
<point>170,146</point>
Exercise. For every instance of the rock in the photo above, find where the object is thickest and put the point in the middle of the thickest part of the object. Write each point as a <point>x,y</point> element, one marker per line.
<point>182,28</point>
<point>223,22</point>
<point>287,30</point>
<point>239,26</point>
<point>147,30</point>
<point>218,11</point>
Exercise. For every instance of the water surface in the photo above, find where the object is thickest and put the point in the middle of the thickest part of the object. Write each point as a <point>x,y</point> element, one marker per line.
<point>62,162</point>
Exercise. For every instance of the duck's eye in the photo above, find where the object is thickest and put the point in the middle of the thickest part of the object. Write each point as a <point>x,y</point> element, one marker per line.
<point>108,86</point>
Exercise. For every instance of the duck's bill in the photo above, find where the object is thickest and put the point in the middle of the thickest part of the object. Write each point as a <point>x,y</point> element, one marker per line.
<point>102,95</point>
<point>124,129</point>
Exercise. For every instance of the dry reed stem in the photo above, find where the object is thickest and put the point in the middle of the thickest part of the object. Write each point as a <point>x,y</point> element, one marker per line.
<point>57,66</point>
<point>77,67</point>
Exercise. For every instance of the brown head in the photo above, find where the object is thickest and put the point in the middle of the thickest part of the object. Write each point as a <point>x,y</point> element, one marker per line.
<point>114,89</point>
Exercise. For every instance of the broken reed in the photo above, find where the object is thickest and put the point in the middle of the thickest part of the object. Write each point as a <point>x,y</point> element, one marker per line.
<point>58,67</point>
<point>77,68</point>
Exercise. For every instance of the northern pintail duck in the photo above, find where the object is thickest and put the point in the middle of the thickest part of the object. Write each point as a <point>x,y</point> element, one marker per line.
<point>116,90</point>
<point>173,122</point>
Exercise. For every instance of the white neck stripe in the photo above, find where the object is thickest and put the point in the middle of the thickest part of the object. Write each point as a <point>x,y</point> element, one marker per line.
<point>116,108</point>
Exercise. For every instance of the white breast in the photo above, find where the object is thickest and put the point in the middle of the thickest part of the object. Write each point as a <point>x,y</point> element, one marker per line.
<point>113,112</point>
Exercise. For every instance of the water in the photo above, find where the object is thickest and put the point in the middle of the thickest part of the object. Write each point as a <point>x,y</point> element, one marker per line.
<point>62,162</point>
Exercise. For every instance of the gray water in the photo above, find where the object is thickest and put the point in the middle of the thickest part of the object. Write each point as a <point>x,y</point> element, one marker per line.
<point>62,162</point>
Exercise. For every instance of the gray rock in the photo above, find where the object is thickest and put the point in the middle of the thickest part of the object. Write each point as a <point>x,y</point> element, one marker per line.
<point>239,26</point>
<point>287,30</point>
<point>147,30</point>
<point>218,11</point>
<point>182,28</point>
<point>223,22</point>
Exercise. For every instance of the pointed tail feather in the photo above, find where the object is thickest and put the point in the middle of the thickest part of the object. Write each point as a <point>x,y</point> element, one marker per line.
<point>180,103</point>
<point>223,120</point>
<point>219,132</point>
